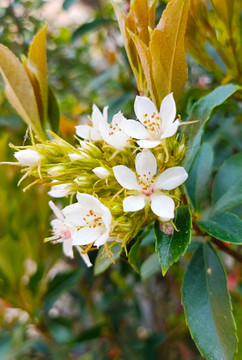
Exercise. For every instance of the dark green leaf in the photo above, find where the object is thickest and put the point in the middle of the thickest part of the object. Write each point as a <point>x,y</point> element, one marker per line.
<point>207,306</point>
<point>171,247</point>
<point>227,188</point>
<point>91,26</point>
<point>199,175</point>
<point>150,267</point>
<point>202,111</point>
<point>53,111</point>
<point>103,262</point>
<point>226,227</point>
<point>134,256</point>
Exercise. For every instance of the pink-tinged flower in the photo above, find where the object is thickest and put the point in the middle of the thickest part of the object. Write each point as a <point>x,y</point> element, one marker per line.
<point>148,185</point>
<point>91,131</point>
<point>63,232</point>
<point>28,157</point>
<point>153,126</point>
<point>92,219</point>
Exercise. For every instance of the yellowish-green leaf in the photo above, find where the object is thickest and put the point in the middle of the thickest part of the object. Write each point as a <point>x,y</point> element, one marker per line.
<point>167,50</point>
<point>19,90</point>
<point>224,8</point>
<point>37,64</point>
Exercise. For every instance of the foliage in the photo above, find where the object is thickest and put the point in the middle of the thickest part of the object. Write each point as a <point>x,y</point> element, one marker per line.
<point>127,310</point>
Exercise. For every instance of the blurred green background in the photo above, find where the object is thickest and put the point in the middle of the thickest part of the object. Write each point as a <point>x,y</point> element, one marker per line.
<point>52,307</point>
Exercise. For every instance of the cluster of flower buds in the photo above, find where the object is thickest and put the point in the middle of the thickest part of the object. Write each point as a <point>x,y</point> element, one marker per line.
<point>124,174</point>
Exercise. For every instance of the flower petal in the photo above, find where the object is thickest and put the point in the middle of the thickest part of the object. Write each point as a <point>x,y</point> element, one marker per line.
<point>102,239</point>
<point>60,190</point>
<point>101,172</point>
<point>67,248</point>
<point>134,203</point>
<point>89,202</point>
<point>97,115</point>
<point>85,257</point>
<point>170,130</point>
<point>163,206</point>
<point>75,214</point>
<point>86,235</point>
<point>58,213</point>
<point>126,177</point>
<point>134,129</point>
<point>28,157</point>
<point>171,178</point>
<point>142,106</point>
<point>117,139</point>
<point>167,110</point>
<point>145,164</point>
<point>88,132</point>
<point>148,144</point>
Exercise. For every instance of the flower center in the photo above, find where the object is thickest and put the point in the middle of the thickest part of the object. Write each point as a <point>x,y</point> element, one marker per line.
<point>92,220</point>
<point>61,233</point>
<point>152,123</point>
<point>113,128</point>
<point>146,183</point>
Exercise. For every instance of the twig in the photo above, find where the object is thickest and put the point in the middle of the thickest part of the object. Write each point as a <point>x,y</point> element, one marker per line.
<point>225,248</point>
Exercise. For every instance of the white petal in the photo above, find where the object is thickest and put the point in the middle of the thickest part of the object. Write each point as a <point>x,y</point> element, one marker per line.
<point>74,157</point>
<point>168,110</point>
<point>163,206</point>
<point>101,172</point>
<point>97,116</point>
<point>58,213</point>
<point>117,118</point>
<point>88,132</point>
<point>116,139</point>
<point>134,129</point>
<point>67,248</point>
<point>171,130</point>
<point>126,177</point>
<point>89,202</point>
<point>85,257</point>
<point>28,157</point>
<point>106,216</point>
<point>134,203</point>
<point>171,178</point>
<point>145,163</point>
<point>75,214</point>
<point>60,190</point>
<point>148,144</point>
<point>86,235</point>
<point>142,106</point>
<point>102,239</point>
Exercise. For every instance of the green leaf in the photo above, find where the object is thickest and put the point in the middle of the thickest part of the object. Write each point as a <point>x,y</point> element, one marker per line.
<point>103,262</point>
<point>202,112</point>
<point>225,227</point>
<point>171,247</point>
<point>91,26</point>
<point>207,306</point>
<point>150,267</point>
<point>59,284</point>
<point>53,111</point>
<point>227,188</point>
<point>134,256</point>
<point>199,175</point>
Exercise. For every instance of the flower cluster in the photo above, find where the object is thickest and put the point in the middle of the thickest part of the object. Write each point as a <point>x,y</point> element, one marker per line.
<point>124,174</point>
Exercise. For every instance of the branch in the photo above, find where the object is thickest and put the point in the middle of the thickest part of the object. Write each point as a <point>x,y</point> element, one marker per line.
<point>225,248</point>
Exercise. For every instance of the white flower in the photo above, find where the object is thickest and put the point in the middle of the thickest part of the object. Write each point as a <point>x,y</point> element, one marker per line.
<point>92,218</point>
<point>148,185</point>
<point>63,232</point>
<point>152,126</point>
<point>91,131</point>
<point>101,172</point>
<point>74,157</point>
<point>60,190</point>
<point>113,134</point>
<point>28,157</point>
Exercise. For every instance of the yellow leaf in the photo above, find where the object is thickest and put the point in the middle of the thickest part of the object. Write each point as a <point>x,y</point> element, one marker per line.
<point>169,64</point>
<point>37,65</point>
<point>146,62</point>
<point>19,90</point>
<point>224,8</point>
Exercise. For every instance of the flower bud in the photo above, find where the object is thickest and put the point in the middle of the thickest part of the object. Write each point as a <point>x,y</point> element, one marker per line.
<point>28,157</point>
